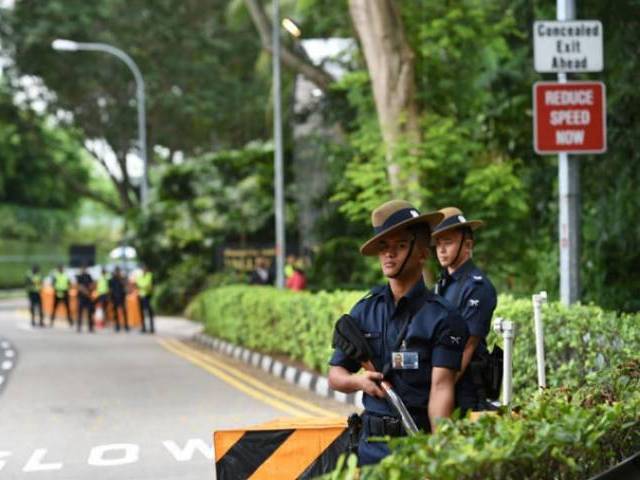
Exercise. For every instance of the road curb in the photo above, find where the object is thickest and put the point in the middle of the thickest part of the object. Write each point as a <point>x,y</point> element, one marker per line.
<point>304,379</point>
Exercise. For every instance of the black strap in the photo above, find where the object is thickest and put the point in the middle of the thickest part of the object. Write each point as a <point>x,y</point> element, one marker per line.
<point>406,259</point>
<point>406,316</point>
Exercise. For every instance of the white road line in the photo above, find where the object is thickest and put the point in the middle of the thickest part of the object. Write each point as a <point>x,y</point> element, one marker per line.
<point>9,353</point>
<point>7,364</point>
<point>1,379</point>
<point>5,344</point>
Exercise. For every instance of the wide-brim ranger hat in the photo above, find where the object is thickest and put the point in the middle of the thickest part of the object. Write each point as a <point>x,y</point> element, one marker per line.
<point>393,216</point>
<point>453,219</point>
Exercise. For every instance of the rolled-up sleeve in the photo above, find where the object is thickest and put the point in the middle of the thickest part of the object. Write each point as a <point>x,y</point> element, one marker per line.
<point>450,337</point>
<point>339,359</point>
<point>478,308</point>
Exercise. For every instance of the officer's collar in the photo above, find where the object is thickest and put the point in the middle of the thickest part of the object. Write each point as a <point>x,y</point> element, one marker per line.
<point>463,269</point>
<point>418,290</point>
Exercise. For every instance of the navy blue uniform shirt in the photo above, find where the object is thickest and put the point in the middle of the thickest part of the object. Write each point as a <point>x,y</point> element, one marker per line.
<point>436,332</point>
<point>472,293</point>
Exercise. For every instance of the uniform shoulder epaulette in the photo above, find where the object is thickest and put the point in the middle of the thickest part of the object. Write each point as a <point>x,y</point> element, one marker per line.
<point>477,278</point>
<point>372,293</point>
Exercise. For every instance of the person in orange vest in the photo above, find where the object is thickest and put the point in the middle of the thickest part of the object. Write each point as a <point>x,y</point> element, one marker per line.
<point>61,284</point>
<point>34,284</point>
<point>144,283</point>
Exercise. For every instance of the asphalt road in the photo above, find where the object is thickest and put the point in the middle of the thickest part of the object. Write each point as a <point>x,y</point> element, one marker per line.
<point>123,406</point>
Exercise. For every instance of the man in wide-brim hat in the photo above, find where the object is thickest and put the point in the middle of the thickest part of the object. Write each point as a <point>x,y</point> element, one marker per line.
<point>404,322</point>
<point>469,290</point>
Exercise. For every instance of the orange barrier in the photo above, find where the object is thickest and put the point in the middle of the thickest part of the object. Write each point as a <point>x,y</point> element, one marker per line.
<point>283,449</point>
<point>47,295</point>
<point>133,310</point>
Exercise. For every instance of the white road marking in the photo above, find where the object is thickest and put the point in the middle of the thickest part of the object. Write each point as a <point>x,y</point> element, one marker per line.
<point>3,455</point>
<point>5,344</point>
<point>35,462</point>
<point>130,450</point>
<point>9,353</point>
<point>7,364</point>
<point>117,454</point>
<point>1,379</point>
<point>185,454</point>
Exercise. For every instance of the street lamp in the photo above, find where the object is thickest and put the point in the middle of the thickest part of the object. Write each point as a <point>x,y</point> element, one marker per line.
<point>291,26</point>
<point>71,46</point>
<point>277,139</point>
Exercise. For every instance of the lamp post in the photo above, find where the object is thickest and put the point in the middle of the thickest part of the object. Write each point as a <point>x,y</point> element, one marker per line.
<point>71,46</point>
<point>277,138</point>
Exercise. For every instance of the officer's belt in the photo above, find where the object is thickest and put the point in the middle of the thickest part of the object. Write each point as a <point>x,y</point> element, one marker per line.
<point>386,425</point>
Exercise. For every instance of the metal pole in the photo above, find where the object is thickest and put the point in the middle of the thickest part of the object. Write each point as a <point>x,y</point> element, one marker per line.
<point>538,299</point>
<point>508,330</point>
<point>70,45</point>
<point>569,198</point>
<point>278,164</point>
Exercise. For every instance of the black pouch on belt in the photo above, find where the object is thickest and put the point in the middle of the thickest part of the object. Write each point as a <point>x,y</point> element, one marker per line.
<point>382,426</point>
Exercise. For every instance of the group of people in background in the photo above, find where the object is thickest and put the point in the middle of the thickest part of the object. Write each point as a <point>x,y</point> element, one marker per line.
<point>294,272</point>
<point>94,297</point>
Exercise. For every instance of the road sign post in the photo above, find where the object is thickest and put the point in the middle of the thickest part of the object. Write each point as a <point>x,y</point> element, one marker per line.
<point>568,46</point>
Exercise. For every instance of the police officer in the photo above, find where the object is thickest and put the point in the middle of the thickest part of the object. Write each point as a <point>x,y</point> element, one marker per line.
<point>61,284</point>
<point>469,289</point>
<point>118,289</point>
<point>85,285</point>
<point>144,282</point>
<point>34,284</point>
<point>423,367</point>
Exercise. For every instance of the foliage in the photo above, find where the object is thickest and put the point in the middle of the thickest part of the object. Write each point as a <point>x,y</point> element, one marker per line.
<point>338,265</point>
<point>298,324</point>
<point>197,72</point>
<point>581,341</point>
<point>40,162</point>
<point>562,434</point>
<point>213,200</point>
<point>180,285</point>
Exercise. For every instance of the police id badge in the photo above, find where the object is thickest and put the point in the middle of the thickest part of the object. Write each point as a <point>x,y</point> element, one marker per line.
<point>404,360</point>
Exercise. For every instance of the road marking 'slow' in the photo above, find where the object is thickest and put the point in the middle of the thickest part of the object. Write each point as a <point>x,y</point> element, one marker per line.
<point>9,353</point>
<point>245,382</point>
<point>7,364</point>
<point>257,383</point>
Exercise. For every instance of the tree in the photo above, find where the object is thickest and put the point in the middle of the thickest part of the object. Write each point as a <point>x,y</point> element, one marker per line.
<point>42,164</point>
<point>201,93</point>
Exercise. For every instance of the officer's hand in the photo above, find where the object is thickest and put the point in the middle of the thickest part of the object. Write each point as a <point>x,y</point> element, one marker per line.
<point>370,384</point>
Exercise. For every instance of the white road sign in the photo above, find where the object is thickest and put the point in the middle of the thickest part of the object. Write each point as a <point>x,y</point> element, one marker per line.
<point>574,46</point>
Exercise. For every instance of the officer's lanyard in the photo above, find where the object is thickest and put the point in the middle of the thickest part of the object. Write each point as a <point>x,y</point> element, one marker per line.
<point>406,316</point>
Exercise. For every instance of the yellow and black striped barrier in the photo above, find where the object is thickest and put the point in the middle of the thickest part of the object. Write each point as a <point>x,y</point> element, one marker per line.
<point>282,449</point>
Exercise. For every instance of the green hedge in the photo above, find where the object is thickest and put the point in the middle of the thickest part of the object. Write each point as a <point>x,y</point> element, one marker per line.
<point>588,420</point>
<point>561,434</point>
<point>298,324</point>
<point>579,340</point>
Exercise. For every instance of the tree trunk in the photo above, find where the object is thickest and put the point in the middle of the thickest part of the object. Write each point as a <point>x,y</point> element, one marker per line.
<point>390,62</point>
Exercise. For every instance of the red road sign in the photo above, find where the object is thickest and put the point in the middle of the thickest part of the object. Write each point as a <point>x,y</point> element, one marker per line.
<point>569,117</point>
